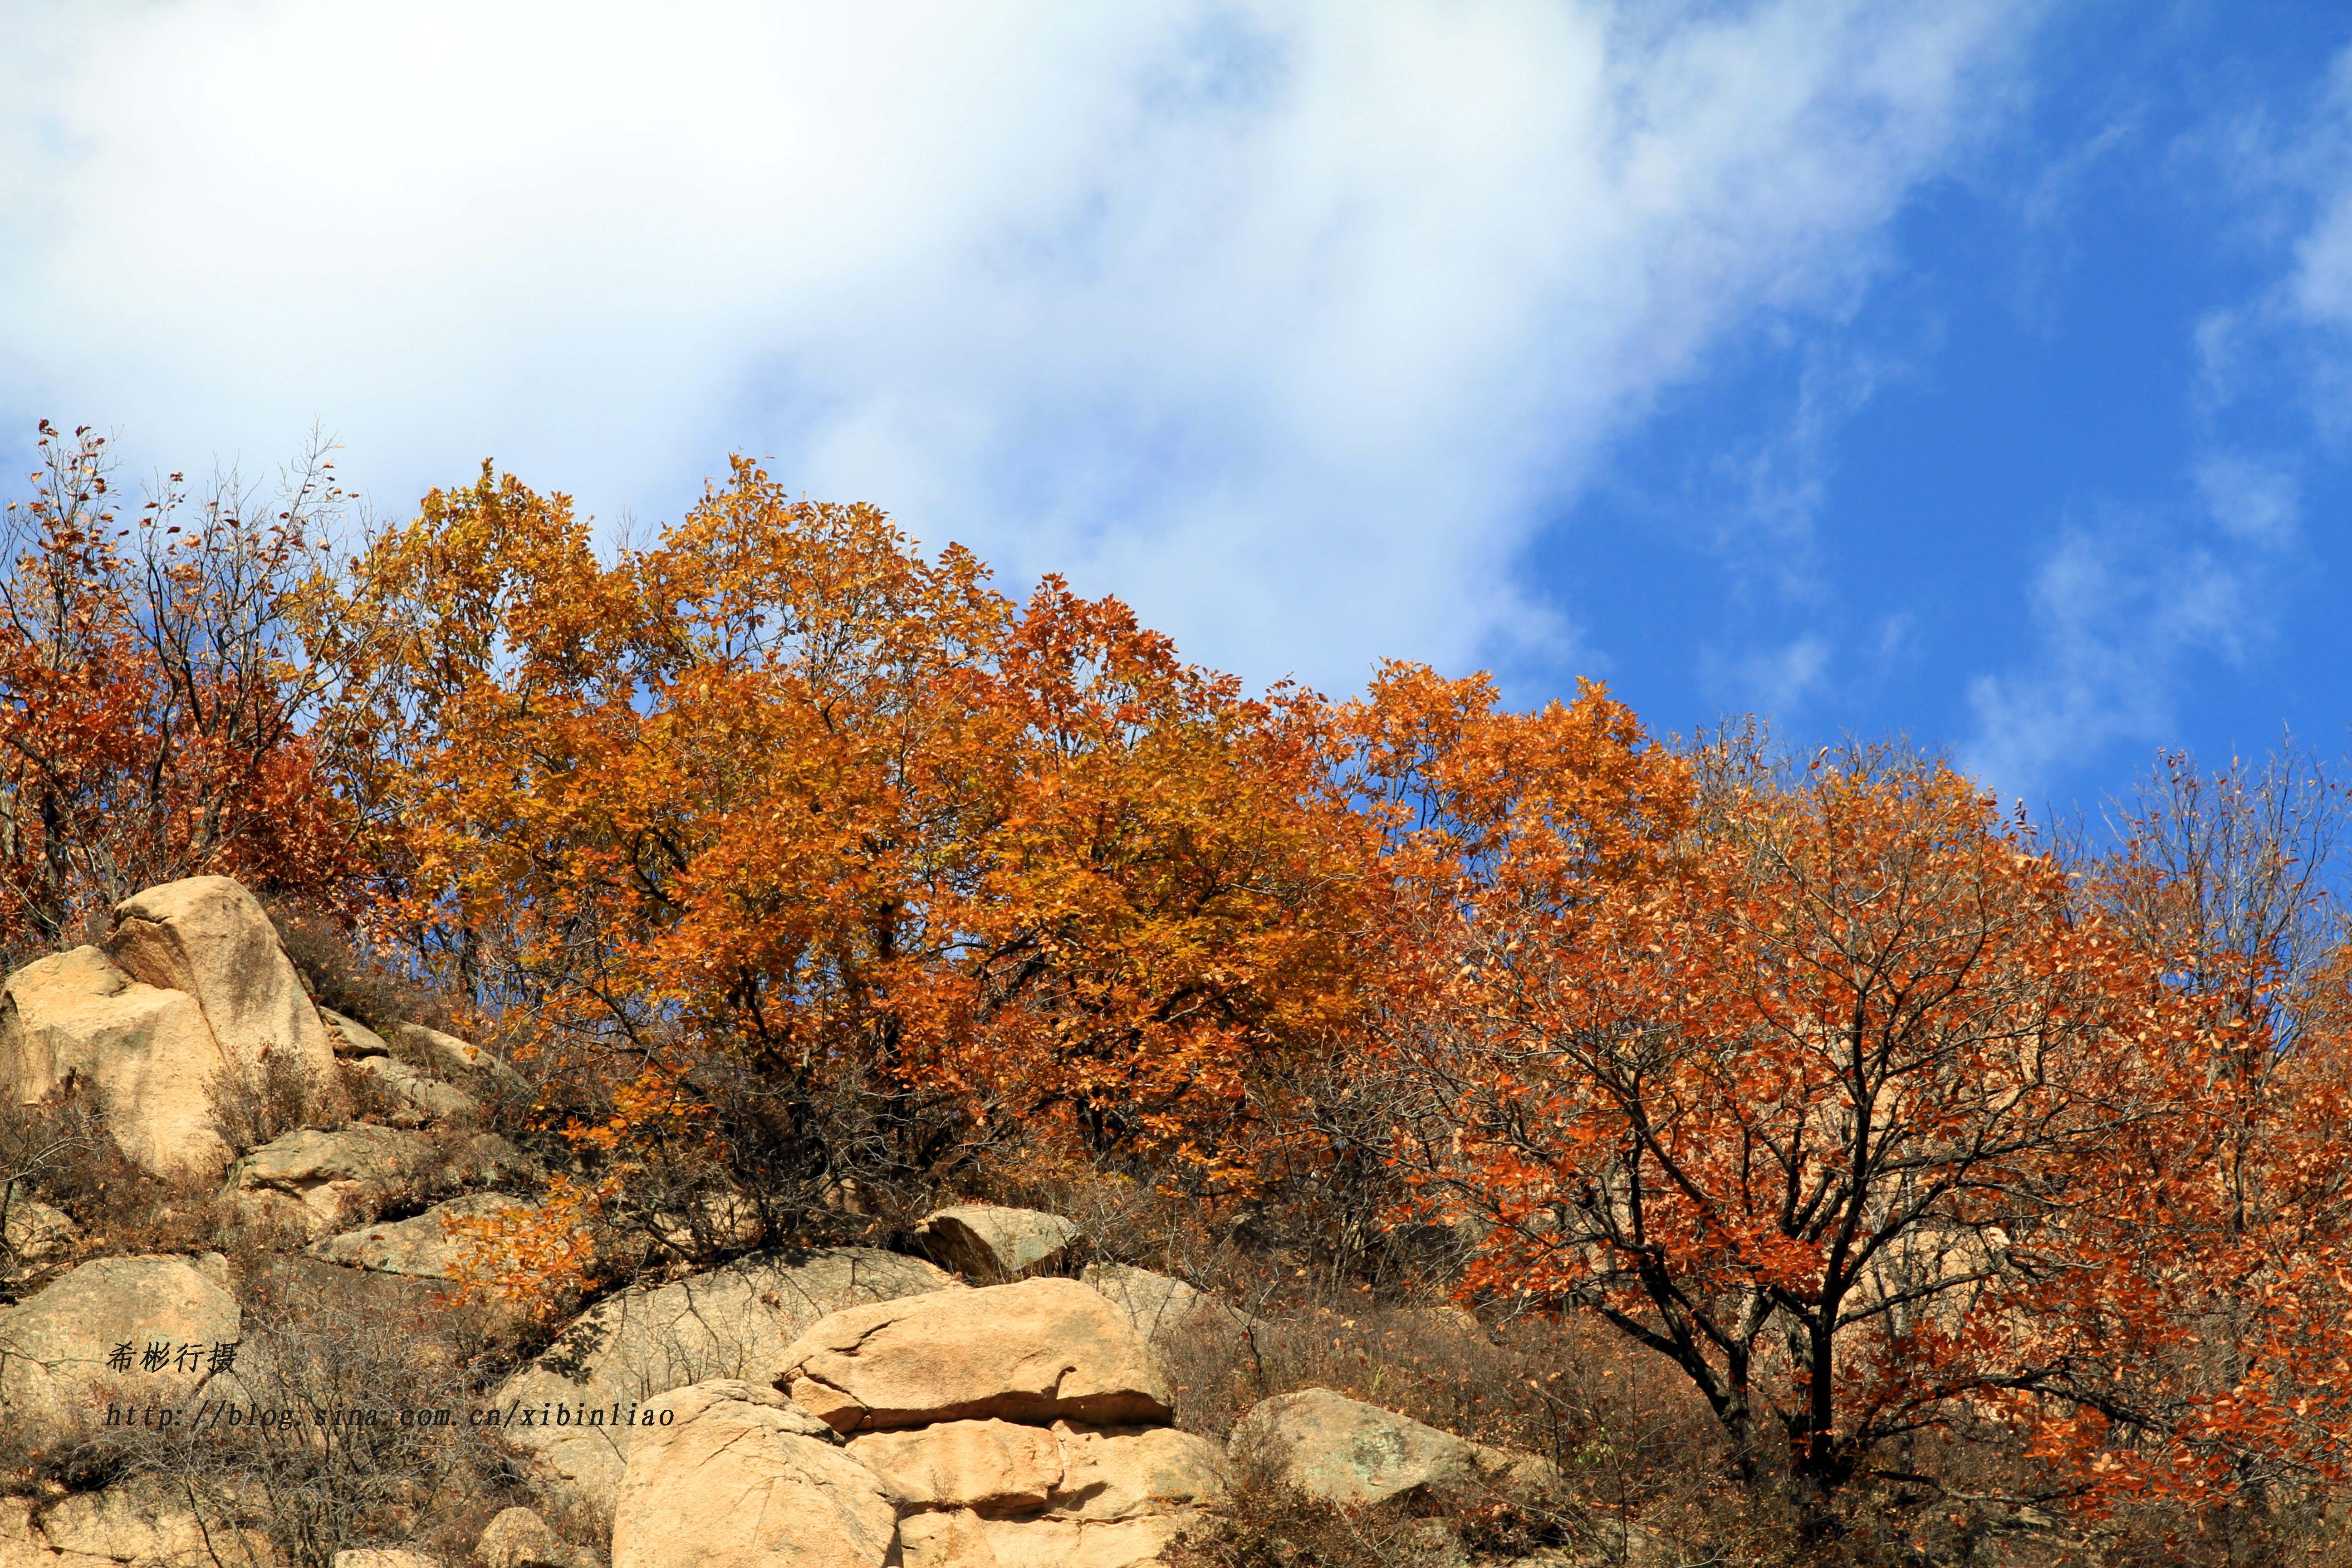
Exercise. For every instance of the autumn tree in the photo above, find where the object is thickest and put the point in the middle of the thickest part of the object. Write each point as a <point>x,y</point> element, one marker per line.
<point>154,696</point>
<point>846,864</point>
<point>1830,1102</point>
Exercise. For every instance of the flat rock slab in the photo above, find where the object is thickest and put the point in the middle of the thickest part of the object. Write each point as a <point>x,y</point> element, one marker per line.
<point>734,1321</point>
<point>1040,1350</point>
<point>350,1038</point>
<point>990,1245</point>
<point>426,1246</point>
<point>317,1182</point>
<point>967,1540</point>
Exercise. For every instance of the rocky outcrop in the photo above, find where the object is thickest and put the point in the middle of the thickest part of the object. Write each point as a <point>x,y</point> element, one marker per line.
<point>730,1475</point>
<point>315,1183</point>
<point>427,1247</point>
<point>990,1245</point>
<point>1347,1452</point>
<point>191,998</point>
<point>384,1557</point>
<point>994,1491</point>
<point>735,1322</point>
<point>207,937</point>
<point>146,1523</point>
<point>1040,1350</point>
<point>455,1060</point>
<point>415,1097</point>
<point>144,1056</point>
<point>21,1545</point>
<point>748,1475</point>
<point>352,1038</point>
<point>57,1344</point>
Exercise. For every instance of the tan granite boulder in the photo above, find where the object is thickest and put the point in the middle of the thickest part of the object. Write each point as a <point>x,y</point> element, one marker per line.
<point>21,1545</point>
<point>728,1475</point>
<point>1347,1452</point>
<point>209,937</point>
<point>518,1537</point>
<point>426,1246</point>
<point>989,1244</point>
<point>1038,1351</point>
<point>148,1524</point>
<point>352,1038</point>
<point>318,1183</point>
<point>969,1540</point>
<point>145,1056</point>
<point>83,1341</point>
<point>1133,1472</point>
<point>734,1321</point>
<point>415,1097</point>
<point>989,1467</point>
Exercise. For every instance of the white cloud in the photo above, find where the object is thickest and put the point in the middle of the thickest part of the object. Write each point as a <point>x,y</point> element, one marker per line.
<point>2121,607</point>
<point>1286,322</point>
<point>2254,500</point>
<point>1778,681</point>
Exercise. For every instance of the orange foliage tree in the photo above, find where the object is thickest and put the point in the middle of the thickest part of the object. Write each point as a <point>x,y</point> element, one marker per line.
<point>1850,1103</point>
<point>154,696</point>
<point>852,861</point>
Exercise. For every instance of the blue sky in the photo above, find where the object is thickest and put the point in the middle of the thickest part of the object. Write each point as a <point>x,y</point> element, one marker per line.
<point>1980,370</point>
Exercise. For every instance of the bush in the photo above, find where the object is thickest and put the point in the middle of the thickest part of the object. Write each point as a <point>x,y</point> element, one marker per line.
<point>354,1360</point>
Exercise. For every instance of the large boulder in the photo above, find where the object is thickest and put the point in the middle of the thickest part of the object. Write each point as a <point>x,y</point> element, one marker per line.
<point>145,1056</point>
<point>147,1522</point>
<point>21,1545</point>
<point>1039,1350</point>
<point>317,1183</point>
<point>734,1321</point>
<point>83,1342</point>
<point>518,1537</point>
<point>427,1247</point>
<point>1347,1452</point>
<point>209,937</point>
<point>989,1244</point>
<point>729,1475</point>
<point>413,1097</point>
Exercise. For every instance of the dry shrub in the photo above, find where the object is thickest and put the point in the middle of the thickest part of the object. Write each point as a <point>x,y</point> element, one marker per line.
<point>62,1155</point>
<point>319,1343</point>
<point>1265,1523</point>
<point>255,1107</point>
<point>342,971</point>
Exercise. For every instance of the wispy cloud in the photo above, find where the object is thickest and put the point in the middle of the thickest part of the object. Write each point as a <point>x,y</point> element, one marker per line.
<point>1286,320</point>
<point>2255,500</point>
<point>2121,606</point>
